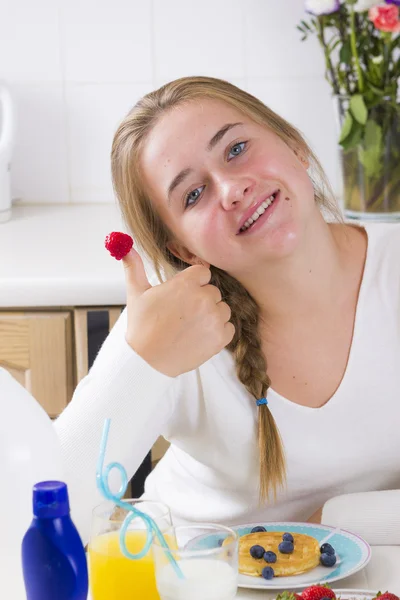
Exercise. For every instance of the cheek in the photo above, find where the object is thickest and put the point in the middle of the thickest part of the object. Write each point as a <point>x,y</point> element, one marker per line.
<point>206,236</point>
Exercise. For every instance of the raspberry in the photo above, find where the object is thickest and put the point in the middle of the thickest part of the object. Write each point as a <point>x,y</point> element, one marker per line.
<point>118,244</point>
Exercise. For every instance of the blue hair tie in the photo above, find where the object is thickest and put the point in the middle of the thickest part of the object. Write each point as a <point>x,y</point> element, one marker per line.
<point>261,401</point>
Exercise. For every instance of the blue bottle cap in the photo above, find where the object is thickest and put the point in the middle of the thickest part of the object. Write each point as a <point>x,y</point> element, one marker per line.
<point>50,499</point>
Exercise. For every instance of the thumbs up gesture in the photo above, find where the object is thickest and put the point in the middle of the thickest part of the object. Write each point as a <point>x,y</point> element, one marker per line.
<point>178,325</point>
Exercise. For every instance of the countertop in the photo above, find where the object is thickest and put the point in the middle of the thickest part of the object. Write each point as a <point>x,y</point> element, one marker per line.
<point>54,255</point>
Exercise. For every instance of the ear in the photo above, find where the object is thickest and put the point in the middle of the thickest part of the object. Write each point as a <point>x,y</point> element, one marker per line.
<point>303,159</point>
<point>183,253</point>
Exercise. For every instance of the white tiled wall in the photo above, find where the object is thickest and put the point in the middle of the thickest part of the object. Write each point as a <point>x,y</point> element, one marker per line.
<point>75,67</point>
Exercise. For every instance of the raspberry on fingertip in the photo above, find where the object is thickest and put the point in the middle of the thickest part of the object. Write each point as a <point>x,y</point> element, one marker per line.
<point>118,244</point>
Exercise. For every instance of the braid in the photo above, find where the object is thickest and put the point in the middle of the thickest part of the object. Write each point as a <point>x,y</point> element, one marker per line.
<point>251,369</point>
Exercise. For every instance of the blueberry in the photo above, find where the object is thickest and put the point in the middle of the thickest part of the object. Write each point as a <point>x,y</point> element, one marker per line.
<point>267,573</point>
<point>257,551</point>
<point>258,529</point>
<point>328,560</point>
<point>287,537</point>
<point>270,557</point>
<point>220,542</point>
<point>286,547</point>
<point>327,549</point>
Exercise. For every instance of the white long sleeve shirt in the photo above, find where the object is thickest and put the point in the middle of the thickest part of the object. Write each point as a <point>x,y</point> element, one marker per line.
<point>210,472</point>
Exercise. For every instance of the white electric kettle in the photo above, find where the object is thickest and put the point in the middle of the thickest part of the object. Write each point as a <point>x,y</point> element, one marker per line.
<point>30,451</point>
<point>7,126</point>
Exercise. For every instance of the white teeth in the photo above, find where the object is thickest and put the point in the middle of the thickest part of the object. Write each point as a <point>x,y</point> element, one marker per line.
<point>260,210</point>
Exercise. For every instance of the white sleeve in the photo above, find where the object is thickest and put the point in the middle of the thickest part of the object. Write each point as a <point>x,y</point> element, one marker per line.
<point>375,516</point>
<point>138,399</point>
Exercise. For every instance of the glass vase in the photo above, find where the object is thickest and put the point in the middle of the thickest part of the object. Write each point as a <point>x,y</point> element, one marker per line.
<point>370,162</point>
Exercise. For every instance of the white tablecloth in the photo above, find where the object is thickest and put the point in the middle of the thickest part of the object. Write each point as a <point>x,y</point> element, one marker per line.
<point>382,573</point>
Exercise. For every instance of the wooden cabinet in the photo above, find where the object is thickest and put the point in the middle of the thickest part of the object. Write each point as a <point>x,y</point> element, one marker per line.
<point>36,348</point>
<point>50,351</point>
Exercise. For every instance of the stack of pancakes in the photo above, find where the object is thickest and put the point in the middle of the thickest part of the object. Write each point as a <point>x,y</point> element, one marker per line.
<point>305,556</point>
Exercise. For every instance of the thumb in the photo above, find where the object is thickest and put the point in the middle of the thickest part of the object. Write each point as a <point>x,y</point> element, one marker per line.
<point>135,275</point>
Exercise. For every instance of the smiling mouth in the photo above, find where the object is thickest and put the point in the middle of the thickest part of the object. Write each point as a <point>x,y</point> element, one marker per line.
<point>264,206</point>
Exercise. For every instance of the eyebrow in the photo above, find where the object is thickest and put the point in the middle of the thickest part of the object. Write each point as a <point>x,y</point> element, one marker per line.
<point>211,144</point>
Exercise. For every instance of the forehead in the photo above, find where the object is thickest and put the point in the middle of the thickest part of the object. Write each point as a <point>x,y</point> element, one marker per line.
<point>180,135</point>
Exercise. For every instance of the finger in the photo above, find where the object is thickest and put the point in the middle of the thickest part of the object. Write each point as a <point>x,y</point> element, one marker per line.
<point>197,273</point>
<point>229,332</point>
<point>224,311</point>
<point>135,275</point>
<point>213,292</point>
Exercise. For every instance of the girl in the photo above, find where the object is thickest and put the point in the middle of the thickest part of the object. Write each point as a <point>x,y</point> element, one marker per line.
<point>269,356</point>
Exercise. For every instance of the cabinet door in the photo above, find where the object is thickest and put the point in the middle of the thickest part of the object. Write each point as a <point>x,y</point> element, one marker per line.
<point>36,348</point>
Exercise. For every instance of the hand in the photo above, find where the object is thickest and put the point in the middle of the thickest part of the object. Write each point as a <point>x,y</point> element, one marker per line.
<point>178,325</point>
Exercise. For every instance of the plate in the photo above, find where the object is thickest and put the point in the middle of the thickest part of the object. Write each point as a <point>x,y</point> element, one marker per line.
<point>355,594</point>
<point>353,554</point>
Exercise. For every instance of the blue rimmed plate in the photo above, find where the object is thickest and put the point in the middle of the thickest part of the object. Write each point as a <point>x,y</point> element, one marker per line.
<point>355,594</point>
<point>353,554</point>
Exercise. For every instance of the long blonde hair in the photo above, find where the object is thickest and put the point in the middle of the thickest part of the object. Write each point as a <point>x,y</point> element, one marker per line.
<point>152,235</point>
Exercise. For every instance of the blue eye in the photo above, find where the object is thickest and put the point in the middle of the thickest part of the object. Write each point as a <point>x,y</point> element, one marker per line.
<point>192,197</point>
<point>237,149</point>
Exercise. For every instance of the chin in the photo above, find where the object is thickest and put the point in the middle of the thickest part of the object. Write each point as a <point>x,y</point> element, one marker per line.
<point>284,240</point>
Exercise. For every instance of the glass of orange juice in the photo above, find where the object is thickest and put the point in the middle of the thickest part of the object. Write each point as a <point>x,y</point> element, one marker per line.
<point>113,576</point>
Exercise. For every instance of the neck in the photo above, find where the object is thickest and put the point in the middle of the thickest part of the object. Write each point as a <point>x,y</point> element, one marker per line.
<point>310,280</point>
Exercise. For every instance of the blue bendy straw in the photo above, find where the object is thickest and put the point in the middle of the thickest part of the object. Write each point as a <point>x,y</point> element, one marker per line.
<point>151,525</point>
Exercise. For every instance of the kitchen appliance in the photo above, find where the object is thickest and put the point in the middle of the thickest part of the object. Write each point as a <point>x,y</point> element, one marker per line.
<point>29,452</point>
<point>7,127</point>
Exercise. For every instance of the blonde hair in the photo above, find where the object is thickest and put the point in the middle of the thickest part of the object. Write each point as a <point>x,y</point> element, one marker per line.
<point>152,235</point>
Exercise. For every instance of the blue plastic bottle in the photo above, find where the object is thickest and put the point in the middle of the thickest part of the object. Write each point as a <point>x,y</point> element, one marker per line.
<point>53,557</point>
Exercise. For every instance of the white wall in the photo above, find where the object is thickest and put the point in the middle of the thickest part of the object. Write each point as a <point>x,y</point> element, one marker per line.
<point>75,67</point>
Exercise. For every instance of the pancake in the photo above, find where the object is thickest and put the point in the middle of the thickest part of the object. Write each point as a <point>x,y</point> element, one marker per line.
<point>306,554</point>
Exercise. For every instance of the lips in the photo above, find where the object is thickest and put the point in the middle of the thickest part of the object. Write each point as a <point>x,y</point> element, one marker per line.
<point>253,208</point>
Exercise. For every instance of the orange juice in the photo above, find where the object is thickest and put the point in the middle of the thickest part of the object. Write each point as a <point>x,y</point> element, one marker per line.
<point>115,577</point>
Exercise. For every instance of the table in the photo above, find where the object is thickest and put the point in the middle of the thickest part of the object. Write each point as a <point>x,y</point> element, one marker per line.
<point>382,573</point>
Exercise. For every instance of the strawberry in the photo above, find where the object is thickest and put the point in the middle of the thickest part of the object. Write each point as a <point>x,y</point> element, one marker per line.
<point>317,592</point>
<point>118,244</point>
<point>289,596</point>
<point>387,596</point>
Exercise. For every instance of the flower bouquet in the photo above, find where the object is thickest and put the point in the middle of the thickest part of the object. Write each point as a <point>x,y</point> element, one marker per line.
<point>361,44</point>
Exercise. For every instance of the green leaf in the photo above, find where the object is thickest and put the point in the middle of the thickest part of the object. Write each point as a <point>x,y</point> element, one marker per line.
<point>346,127</point>
<point>358,109</point>
<point>354,138</point>
<point>370,154</point>
<point>305,25</point>
<point>373,134</point>
<point>375,89</point>
<point>345,53</point>
<point>333,45</point>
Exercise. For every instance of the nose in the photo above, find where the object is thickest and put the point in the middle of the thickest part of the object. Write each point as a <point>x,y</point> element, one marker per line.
<point>234,192</point>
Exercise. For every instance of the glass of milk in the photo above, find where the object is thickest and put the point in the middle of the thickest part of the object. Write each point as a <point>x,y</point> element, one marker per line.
<point>207,555</point>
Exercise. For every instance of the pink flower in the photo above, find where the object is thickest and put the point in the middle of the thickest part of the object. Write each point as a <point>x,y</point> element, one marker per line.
<point>385,18</point>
